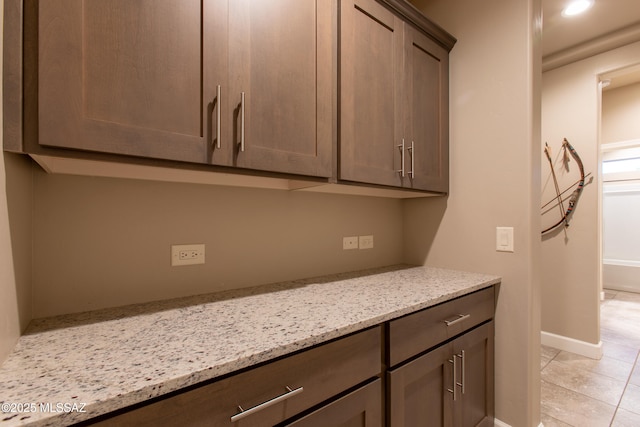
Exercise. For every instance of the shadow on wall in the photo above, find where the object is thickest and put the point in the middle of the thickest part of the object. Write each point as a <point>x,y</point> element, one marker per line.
<point>253,236</point>
<point>422,219</point>
<point>19,193</point>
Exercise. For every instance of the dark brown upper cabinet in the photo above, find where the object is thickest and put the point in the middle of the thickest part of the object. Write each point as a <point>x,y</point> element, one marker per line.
<point>327,92</point>
<point>233,83</point>
<point>394,113</point>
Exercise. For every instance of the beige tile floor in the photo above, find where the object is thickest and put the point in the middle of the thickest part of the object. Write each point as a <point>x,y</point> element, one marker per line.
<point>582,392</point>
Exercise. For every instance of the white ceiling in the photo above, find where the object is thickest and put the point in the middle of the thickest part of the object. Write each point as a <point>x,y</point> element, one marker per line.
<point>620,18</point>
<point>605,16</point>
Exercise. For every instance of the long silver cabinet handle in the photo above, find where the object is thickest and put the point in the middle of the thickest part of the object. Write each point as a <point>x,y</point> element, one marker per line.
<point>218,117</point>
<point>453,382</point>
<point>459,318</point>
<point>241,121</point>
<point>461,357</point>
<point>245,413</point>
<point>412,172</point>
<point>401,147</point>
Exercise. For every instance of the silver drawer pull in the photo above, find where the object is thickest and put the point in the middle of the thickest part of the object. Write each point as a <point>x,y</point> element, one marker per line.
<point>412,172</point>
<point>218,114</point>
<point>401,147</point>
<point>241,121</point>
<point>459,318</point>
<point>245,413</point>
<point>452,390</point>
<point>461,357</point>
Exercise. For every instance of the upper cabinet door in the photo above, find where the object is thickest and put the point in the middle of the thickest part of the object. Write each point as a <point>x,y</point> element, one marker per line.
<point>426,112</point>
<point>281,60</point>
<point>133,77</point>
<point>371,44</point>
<point>393,99</point>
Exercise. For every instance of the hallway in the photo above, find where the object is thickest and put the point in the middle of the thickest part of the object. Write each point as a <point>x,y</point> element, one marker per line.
<point>582,392</point>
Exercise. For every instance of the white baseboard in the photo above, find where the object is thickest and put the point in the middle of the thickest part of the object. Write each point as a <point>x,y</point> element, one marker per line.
<point>593,351</point>
<point>623,287</point>
<point>498,423</point>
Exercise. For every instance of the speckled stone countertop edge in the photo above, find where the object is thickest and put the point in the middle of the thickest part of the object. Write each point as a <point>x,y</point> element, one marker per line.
<point>156,389</point>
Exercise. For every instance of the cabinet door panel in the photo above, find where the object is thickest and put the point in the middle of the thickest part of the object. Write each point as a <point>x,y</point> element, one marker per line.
<point>370,71</point>
<point>118,70</point>
<point>281,58</point>
<point>427,118</point>
<point>418,391</point>
<point>476,404</point>
<point>128,77</point>
<point>361,408</point>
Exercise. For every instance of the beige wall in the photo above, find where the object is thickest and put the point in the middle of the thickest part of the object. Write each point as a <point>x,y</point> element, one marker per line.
<point>571,263</point>
<point>495,160</point>
<point>15,244</point>
<point>620,113</point>
<point>15,249</point>
<point>103,242</point>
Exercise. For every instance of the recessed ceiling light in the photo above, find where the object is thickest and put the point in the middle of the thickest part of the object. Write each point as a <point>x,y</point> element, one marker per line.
<point>576,7</point>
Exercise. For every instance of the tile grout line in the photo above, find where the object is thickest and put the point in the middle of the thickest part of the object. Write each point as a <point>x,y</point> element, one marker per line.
<point>635,363</point>
<point>626,383</point>
<point>590,374</point>
<point>624,390</point>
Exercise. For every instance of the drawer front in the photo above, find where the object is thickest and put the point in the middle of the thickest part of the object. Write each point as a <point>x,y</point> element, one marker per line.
<point>417,332</point>
<point>312,376</point>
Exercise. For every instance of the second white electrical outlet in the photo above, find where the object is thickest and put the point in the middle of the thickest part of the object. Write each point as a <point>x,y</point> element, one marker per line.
<point>365,242</point>
<point>187,254</point>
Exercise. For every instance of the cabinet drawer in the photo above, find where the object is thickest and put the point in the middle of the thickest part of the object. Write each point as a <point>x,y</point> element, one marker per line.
<point>417,332</point>
<point>313,376</point>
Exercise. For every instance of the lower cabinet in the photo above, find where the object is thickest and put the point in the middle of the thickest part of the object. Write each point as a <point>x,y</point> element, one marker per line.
<point>451,385</point>
<point>279,391</point>
<point>440,372</point>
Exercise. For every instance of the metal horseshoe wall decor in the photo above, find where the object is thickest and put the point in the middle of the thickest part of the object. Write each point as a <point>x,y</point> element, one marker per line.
<point>561,196</point>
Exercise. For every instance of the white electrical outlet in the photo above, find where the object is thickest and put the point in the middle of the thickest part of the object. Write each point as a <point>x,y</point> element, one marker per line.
<point>350,242</point>
<point>365,242</point>
<point>187,254</point>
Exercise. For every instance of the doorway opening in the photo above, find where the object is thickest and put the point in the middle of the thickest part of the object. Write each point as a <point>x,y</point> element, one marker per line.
<point>620,183</point>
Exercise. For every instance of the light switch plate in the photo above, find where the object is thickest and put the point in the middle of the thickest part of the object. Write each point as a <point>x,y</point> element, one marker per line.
<point>504,239</point>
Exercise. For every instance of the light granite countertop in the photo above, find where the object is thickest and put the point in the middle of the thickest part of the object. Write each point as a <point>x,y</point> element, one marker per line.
<point>70,368</point>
